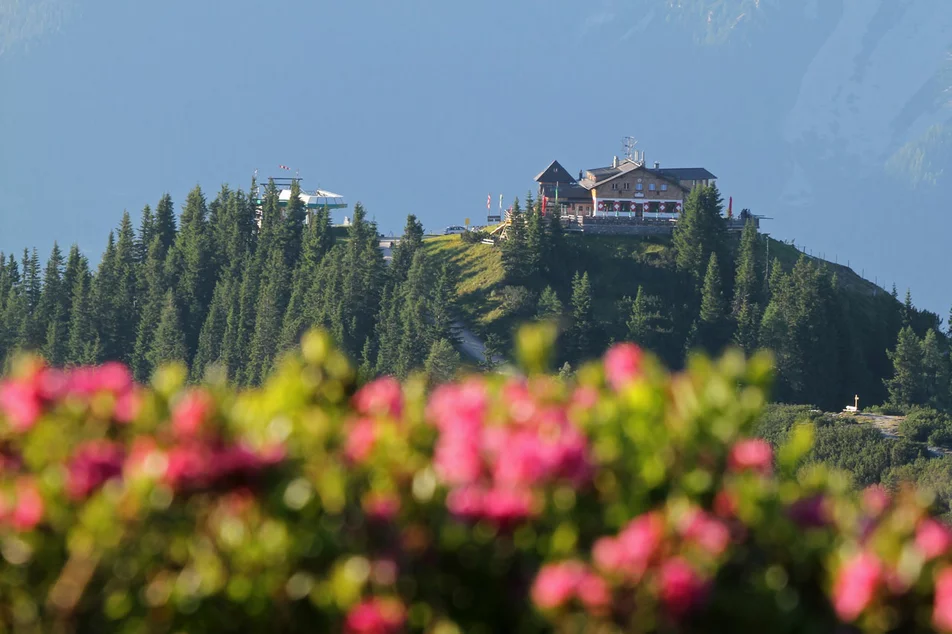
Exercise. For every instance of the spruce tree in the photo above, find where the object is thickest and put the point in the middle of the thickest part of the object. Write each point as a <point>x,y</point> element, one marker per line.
<point>169,343</point>
<point>748,287</point>
<point>189,263</point>
<point>213,330</point>
<point>105,298</point>
<point>935,366</point>
<point>712,324</point>
<point>442,362</point>
<point>557,250</point>
<point>907,384</point>
<point>269,312</point>
<point>405,250</point>
<point>83,344</point>
<point>549,306</point>
<point>443,303</point>
<point>291,228</point>
<point>127,287</point>
<point>53,309</point>
<point>582,332</point>
<point>647,325</point>
<point>536,248</point>
<point>416,334</point>
<point>146,232</point>
<point>164,226</point>
<point>700,231</point>
<point>514,248</point>
<point>153,289</point>
<point>908,311</point>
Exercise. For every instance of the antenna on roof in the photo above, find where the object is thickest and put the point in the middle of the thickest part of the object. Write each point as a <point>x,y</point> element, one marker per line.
<point>629,145</point>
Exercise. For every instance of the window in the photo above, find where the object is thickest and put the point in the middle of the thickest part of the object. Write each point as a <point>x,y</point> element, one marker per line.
<point>627,186</point>
<point>614,186</point>
<point>651,187</point>
<point>664,187</point>
<point>639,187</point>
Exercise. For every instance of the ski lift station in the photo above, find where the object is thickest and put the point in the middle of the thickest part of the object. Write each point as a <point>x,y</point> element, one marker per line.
<point>313,200</point>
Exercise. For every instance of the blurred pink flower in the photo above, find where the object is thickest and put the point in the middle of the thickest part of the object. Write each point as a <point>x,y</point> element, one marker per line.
<point>875,499</point>
<point>359,443</point>
<point>810,512</point>
<point>933,538</point>
<point>187,466</point>
<point>584,397</point>
<point>457,461</point>
<point>942,610</point>
<point>856,583</point>
<point>708,532</point>
<point>452,405</point>
<point>640,541</point>
<point>382,397</point>
<point>127,406</point>
<point>725,505</point>
<point>622,364</point>
<point>29,508</point>
<point>114,377</point>
<point>556,584</point>
<point>191,413</point>
<point>20,403</point>
<point>752,454</point>
<point>466,502</point>
<point>681,588</point>
<point>505,506</point>
<point>382,507</point>
<point>51,384</point>
<point>608,555</point>
<point>92,464</point>
<point>376,616</point>
<point>594,593</point>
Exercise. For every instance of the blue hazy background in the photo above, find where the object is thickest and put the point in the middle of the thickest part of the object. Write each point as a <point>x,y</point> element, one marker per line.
<point>831,117</point>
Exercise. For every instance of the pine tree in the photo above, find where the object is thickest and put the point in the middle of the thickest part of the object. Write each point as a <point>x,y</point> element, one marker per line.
<point>269,312</point>
<point>127,287</point>
<point>556,249</point>
<point>935,366</point>
<point>514,248</point>
<point>416,335</point>
<point>291,228</point>
<point>189,264</point>
<point>647,325</point>
<point>536,248</point>
<point>213,330</point>
<point>53,309</point>
<point>153,288</point>
<point>164,226</point>
<point>83,344</point>
<point>366,370</point>
<point>105,298</point>
<point>582,333</point>
<point>442,362</point>
<point>700,231</point>
<point>908,311</point>
<point>748,288</point>
<point>169,343</point>
<point>443,304</point>
<point>406,249</point>
<point>31,333</point>
<point>906,386</point>
<point>145,235</point>
<point>712,324</point>
<point>549,306</point>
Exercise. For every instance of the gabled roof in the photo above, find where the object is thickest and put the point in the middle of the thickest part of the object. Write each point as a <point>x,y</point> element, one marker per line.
<point>686,173</point>
<point>555,173</point>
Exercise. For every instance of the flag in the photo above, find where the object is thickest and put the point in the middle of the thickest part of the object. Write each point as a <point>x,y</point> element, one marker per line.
<point>284,167</point>
<point>500,202</point>
<point>545,202</point>
<point>489,201</point>
<point>556,190</point>
<point>730,208</point>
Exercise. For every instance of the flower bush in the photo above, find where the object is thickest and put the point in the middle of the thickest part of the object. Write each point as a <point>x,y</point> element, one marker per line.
<point>624,500</point>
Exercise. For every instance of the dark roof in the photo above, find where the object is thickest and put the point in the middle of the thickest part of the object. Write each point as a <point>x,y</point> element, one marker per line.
<point>555,173</point>
<point>686,173</point>
<point>567,192</point>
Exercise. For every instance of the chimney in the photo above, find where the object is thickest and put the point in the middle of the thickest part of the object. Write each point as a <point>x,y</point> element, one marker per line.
<point>615,162</point>
<point>657,165</point>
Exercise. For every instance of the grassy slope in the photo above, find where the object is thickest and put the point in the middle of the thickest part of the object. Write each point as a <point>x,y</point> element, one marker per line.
<point>616,266</point>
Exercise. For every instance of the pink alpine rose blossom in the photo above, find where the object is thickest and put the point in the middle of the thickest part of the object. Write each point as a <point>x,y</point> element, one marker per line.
<point>933,538</point>
<point>20,403</point>
<point>708,532</point>
<point>382,397</point>
<point>28,509</point>
<point>942,609</point>
<point>856,584</point>
<point>681,588</point>
<point>361,437</point>
<point>556,584</point>
<point>752,454</point>
<point>376,616</point>
<point>93,464</point>
<point>594,593</point>
<point>191,413</point>
<point>622,364</point>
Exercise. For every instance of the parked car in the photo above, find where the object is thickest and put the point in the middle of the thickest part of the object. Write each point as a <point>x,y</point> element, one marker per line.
<point>453,230</point>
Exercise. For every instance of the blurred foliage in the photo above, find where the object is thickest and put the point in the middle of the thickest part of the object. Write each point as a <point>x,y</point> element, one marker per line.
<point>621,498</point>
